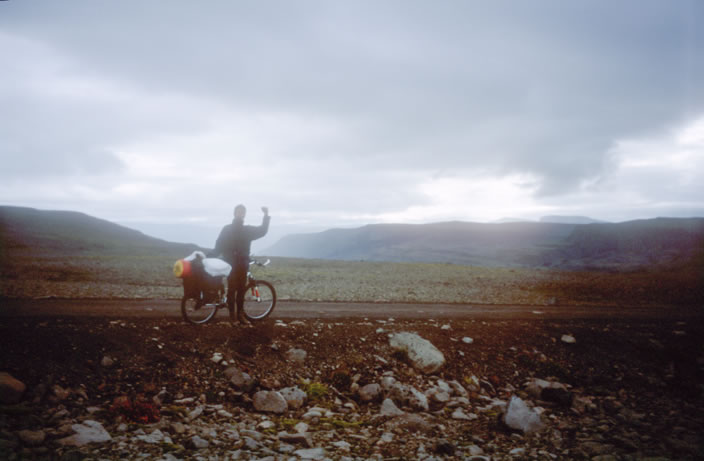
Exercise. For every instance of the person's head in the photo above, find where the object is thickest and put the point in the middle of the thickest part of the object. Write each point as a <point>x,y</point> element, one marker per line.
<point>240,212</point>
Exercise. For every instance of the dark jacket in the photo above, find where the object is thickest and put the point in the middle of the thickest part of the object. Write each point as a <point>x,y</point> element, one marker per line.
<point>235,241</point>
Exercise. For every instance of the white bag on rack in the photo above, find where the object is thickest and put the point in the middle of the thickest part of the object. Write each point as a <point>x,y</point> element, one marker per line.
<point>215,267</point>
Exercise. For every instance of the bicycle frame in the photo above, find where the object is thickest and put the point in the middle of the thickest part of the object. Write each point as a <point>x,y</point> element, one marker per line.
<point>261,292</point>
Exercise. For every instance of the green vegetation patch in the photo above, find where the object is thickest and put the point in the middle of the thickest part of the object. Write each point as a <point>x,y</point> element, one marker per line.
<point>314,390</point>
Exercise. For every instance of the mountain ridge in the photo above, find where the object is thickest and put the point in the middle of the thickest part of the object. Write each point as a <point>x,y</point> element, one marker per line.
<point>63,230</point>
<point>601,246</point>
<point>524,244</point>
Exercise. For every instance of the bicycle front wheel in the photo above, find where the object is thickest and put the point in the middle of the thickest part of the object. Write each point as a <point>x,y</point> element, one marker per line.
<point>195,312</point>
<point>259,300</point>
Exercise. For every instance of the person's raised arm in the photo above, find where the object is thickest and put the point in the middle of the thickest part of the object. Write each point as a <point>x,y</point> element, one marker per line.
<point>260,231</point>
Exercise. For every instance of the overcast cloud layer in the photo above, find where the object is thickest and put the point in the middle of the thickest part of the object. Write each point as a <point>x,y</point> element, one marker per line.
<point>163,115</point>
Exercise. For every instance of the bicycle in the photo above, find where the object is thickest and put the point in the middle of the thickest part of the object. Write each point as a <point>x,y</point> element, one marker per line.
<point>204,295</point>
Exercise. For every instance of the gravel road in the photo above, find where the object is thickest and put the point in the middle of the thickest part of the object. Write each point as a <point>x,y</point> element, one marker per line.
<point>151,308</point>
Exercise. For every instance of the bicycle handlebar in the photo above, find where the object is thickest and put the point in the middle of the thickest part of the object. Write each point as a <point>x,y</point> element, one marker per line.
<point>257,262</point>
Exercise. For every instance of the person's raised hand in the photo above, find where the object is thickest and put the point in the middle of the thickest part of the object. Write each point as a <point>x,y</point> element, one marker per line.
<point>265,209</point>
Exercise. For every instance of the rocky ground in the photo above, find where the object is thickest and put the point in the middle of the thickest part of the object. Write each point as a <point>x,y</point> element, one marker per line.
<point>87,388</point>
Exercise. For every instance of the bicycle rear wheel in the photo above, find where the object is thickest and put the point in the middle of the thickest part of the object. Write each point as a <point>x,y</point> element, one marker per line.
<point>195,312</point>
<point>259,300</point>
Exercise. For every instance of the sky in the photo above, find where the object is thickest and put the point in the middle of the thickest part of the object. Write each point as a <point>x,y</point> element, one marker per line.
<point>162,115</point>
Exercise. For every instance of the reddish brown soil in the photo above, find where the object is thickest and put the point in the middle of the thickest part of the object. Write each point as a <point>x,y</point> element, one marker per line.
<point>653,366</point>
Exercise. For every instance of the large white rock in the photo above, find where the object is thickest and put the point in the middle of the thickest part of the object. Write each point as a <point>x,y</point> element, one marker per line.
<point>518,416</point>
<point>88,432</point>
<point>269,401</point>
<point>421,352</point>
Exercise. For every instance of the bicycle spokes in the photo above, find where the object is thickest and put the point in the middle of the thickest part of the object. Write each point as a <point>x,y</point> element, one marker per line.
<point>259,300</point>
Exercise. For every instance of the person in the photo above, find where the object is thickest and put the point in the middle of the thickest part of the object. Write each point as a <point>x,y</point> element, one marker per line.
<point>233,244</point>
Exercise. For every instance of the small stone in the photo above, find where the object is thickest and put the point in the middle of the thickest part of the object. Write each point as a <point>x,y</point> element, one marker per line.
<point>11,389</point>
<point>459,414</point>
<point>178,428</point>
<point>258,436</point>
<point>568,339</point>
<point>388,408</point>
<point>60,392</point>
<point>107,362</point>
<point>264,425</point>
<point>342,445</point>
<point>534,387</point>
<point>296,355</point>
<point>518,416</point>
<point>155,437</point>
<point>195,413</point>
<point>199,443</point>
<point>269,401</point>
<point>370,392</point>
<point>285,449</point>
<point>410,422</point>
<point>459,389</point>
<point>297,438</point>
<point>311,414</point>
<point>301,427</point>
<point>418,400</point>
<point>438,395</point>
<point>387,382</point>
<point>88,432</point>
<point>310,453</point>
<point>250,444</point>
<point>32,438</point>
<point>224,414</point>
<point>295,397</point>
<point>467,340</point>
<point>242,381</point>
<point>216,358</point>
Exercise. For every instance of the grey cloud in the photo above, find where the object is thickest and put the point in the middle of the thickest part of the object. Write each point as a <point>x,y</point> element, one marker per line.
<point>539,87</point>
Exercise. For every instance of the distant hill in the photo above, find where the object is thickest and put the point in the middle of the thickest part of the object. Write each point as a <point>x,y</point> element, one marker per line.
<point>569,219</point>
<point>48,231</point>
<point>29,232</point>
<point>525,244</point>
<point>648,242</point>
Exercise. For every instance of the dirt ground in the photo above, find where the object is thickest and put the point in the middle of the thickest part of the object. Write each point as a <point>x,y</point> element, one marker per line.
<point>652,367</point>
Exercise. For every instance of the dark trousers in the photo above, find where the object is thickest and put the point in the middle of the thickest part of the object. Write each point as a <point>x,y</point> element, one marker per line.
<point>236,283</point>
